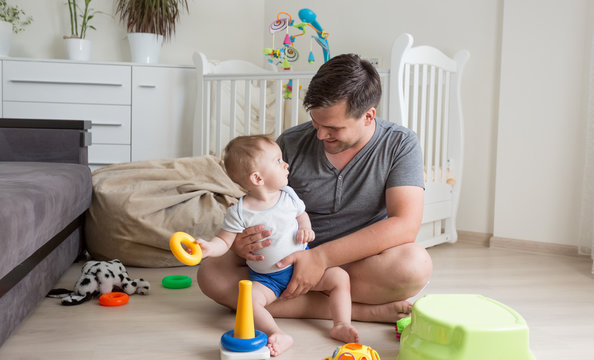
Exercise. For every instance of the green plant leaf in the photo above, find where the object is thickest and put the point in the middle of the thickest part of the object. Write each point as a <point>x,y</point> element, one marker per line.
<point>151,16</point>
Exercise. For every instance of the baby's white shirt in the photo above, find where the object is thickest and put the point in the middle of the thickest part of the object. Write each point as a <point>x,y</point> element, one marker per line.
<point>281,220</point>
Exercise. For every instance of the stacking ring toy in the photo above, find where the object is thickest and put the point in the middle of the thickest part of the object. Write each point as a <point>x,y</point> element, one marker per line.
<point>113,299</point>
<point>175,244</point>
<point>243,345</point>
<point>176,281</point>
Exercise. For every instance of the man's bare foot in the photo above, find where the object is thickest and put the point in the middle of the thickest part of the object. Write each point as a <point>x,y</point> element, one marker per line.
<point>387,313</point>
<point>396,310</point>
<point>278,343</point>
<point>345,333</point>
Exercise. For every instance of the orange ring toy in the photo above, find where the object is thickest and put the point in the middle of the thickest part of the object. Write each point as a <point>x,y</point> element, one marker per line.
<point>175,244</point>
<point>113,299</point>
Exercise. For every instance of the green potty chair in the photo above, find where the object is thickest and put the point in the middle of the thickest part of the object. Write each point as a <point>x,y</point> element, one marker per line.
<point>464,327</point>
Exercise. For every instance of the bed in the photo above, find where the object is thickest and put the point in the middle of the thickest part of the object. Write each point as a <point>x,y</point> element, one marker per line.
<point>421,90</point>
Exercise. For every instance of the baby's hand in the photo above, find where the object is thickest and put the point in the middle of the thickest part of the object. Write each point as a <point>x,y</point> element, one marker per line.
<point>305,235</point>
<point>205,246</point>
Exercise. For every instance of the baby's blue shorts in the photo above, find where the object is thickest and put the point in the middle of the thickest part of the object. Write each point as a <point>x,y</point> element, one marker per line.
<point>276,281</point>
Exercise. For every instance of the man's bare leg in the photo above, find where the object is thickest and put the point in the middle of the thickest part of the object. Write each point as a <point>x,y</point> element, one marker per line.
<point>218,278</point>
<point>380,285</point>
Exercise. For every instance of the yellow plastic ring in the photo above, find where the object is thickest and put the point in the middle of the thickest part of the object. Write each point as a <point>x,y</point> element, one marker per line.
<point>175,244</point>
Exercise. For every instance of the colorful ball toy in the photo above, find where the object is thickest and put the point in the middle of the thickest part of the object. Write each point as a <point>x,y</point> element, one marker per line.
<point>354,351</point>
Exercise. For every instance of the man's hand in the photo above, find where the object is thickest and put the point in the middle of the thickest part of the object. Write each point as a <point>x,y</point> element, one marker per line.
<point>249,241</point>
<point>308,269</point>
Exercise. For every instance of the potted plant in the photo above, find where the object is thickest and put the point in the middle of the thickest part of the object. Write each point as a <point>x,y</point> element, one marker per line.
<point>77,46</point>
<point>149,23</point>
<point>12,19</point>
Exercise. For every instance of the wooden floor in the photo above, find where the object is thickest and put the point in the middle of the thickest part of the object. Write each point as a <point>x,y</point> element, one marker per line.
<point>555,294</point>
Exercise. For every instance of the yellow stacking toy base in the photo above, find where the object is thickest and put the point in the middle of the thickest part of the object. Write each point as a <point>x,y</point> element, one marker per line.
<point>260,354</point>
<point>464,327</point>
<point>244,342</point>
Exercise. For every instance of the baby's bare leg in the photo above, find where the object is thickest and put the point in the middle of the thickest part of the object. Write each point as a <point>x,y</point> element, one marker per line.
<point>336,283</point>
<point>278,341</point>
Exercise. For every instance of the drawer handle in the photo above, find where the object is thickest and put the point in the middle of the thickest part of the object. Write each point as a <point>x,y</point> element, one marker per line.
<point>147,86</point>
<point>63,82</point>
<point>106,124</point>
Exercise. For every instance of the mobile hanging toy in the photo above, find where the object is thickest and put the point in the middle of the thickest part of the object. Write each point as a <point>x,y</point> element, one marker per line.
<point>288,53</point>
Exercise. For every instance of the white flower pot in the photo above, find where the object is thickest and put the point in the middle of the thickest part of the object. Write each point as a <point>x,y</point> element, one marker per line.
<point>5,37</point>
<point>78,49</point>
<point>145,47</point>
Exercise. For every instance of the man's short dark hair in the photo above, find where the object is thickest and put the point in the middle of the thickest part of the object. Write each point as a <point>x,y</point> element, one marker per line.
<point>345,77</point>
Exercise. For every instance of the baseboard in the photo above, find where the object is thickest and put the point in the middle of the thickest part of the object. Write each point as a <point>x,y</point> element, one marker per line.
<point>533,246</point>
<point>476,238</point>
<point>496,242</point>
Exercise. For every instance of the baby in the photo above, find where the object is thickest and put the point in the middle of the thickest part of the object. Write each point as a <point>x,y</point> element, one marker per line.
<point>256,164</point>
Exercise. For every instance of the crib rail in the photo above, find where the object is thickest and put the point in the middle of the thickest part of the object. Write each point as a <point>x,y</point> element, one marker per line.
<point>264,97</point>
<point>251,101</point>
<point>426,91</point>
<point>427,100</point>
<point>426,97</point>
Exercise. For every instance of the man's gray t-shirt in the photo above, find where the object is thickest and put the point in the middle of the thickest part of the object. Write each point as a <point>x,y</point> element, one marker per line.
<point>342,202</point>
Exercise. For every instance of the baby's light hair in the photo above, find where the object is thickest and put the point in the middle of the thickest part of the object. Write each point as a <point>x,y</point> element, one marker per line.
<point>240,156</point>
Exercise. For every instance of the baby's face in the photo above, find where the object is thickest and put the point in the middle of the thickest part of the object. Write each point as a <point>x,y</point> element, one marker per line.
<point>272,168</point>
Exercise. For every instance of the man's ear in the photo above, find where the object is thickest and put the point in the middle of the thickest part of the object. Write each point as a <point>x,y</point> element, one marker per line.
<point>369,116</point>
<point>256,179</point>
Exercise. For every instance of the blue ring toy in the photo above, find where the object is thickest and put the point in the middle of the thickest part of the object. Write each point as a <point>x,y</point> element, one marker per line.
<point>243,345</point>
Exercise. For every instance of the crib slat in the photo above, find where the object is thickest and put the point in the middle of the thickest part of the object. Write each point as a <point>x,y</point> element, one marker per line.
<point>233,109</point>
<point>438,128</point>
<point>422,132</point>
<point>430,126</point>
<point>262,107</point>
<point>383,106</point>
<point>278,116</point>
<point>446,125</point>
<point>247,109</point>
<point>218,117</point>
<point>406,94</point>
<point>295,103</point>
<point>415,101</point>
<point>206,118</point>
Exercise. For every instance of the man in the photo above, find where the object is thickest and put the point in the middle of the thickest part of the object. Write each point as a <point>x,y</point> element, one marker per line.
<point>361,179</point>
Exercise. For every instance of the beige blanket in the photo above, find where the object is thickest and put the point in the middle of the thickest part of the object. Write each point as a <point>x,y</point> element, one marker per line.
<point>137,206</point>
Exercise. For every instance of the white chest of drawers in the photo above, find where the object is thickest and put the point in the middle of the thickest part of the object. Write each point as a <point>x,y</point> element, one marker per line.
<point>129,105</point>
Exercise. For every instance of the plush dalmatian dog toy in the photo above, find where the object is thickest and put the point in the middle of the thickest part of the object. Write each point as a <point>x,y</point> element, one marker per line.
<point>101,277</point>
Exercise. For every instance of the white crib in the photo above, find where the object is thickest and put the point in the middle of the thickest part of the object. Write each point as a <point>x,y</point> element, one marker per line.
<point>421,90</point>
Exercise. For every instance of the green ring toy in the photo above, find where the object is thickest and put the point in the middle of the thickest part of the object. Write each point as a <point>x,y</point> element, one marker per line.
<point>176,281</point>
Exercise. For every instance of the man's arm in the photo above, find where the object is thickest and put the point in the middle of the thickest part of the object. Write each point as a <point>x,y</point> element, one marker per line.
<point>404,205</point>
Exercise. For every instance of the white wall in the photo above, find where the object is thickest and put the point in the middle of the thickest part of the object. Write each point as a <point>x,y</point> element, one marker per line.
<point>542,114</point>
<point>222,29</point>
<point>523,143</point>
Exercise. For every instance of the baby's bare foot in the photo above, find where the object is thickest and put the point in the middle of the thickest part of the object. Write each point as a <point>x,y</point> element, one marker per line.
<point>345,333</point>
<point>278,343</point>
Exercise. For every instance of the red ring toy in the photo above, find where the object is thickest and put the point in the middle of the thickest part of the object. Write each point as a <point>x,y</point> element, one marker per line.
<point>113,299</point>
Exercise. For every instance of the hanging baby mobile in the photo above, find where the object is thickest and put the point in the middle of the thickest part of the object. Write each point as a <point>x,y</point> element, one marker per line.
<point>287,53</point>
